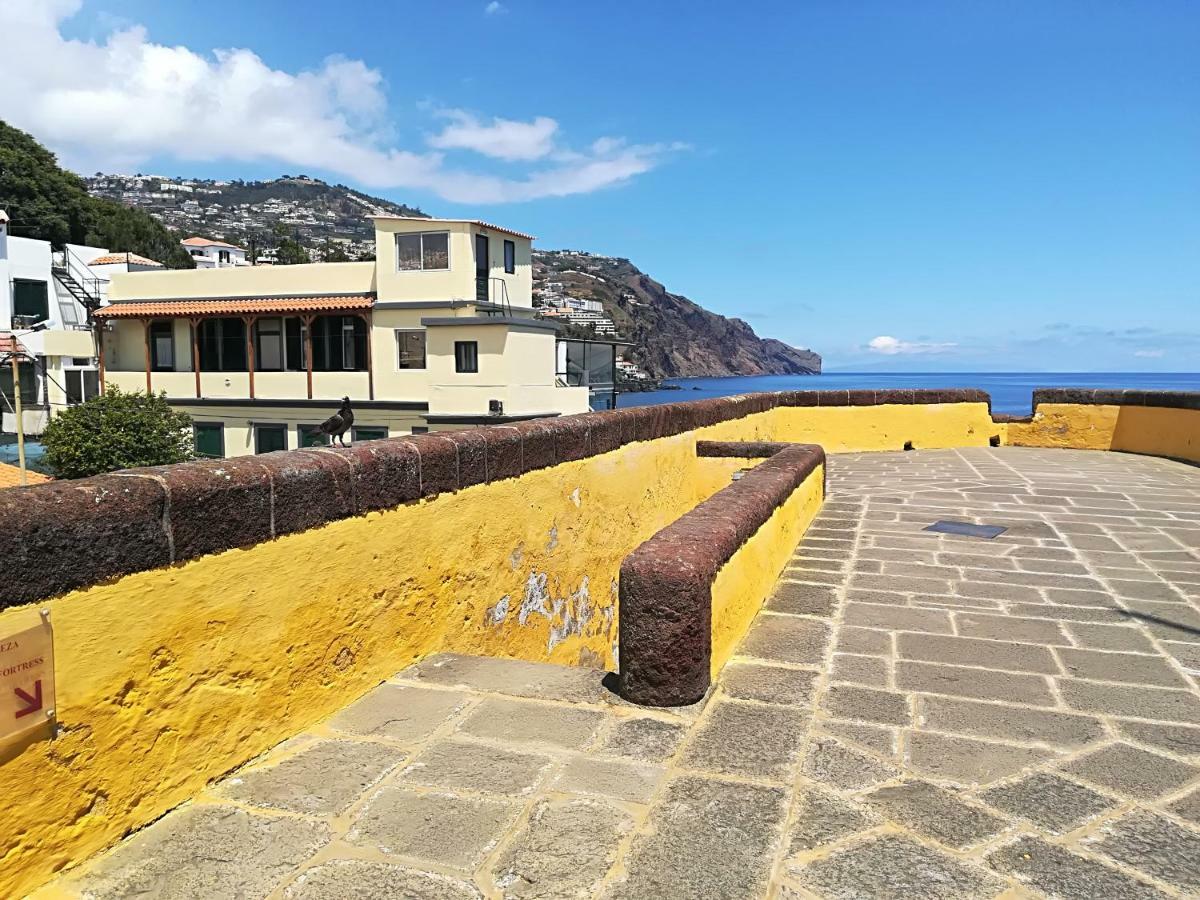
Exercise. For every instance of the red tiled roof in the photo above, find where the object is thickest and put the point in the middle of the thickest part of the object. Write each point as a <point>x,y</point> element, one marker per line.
<point>10,476</point>
<point>205,242</point>
<point>9,344</point>
<point>110,258</point>
<point>234,306</point>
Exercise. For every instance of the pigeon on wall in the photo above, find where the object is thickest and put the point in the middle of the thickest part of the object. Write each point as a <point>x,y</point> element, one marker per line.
<point>337,425</point>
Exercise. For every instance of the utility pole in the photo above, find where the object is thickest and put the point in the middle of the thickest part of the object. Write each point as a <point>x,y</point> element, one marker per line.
<point>16,370</point>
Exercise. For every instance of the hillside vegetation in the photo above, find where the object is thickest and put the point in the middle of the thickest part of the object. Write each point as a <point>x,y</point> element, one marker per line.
<point>48,203</point>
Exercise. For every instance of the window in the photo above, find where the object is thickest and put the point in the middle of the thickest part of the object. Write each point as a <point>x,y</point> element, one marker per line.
<point>28,377</point>
<point>223,256</point>
<point>420,429</point>
<point>209,438</point>
<point>30,299</point>
<point>81,385</point>
<point>222,345</point>
<point>269,438</point>
<point>310,436</point>
<point>368,432</point>
<point>410,346</point>
<point>510,257</point>
<point>162,345</point>
<point>466,356</point>
<point>339,344</point>
<point>279,345</point>
<point>424,251</point>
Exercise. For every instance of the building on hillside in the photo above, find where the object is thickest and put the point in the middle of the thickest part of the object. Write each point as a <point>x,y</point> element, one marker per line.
<point>438,332</point>
<point>208,254</point>
<point>45,296</point>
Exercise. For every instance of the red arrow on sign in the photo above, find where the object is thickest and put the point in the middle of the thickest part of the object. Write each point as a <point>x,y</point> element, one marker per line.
<point>34,703</point>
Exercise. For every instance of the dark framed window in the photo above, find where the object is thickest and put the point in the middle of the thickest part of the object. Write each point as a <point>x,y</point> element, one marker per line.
<point>28,376</point>
<point>422,252</point>
<point>223,256</point>
<point>31,299</point>
<point>368,432</point>
<point>466,356</point>
<point>162,345</point>
<point>209,438</point>
<point>510,257</point>
<point>310,436</point>
<point>339,344</point>
<point>222,345</point>
<point>420,429</point>
<point>269,438</point>
<point>410,349</point>
<point>81,385</point>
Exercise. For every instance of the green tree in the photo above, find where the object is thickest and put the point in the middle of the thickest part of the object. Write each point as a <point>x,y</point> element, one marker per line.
<point>289,252</point>
<point>48,203</point>
<point>117,431</point>
<point>334,252</point>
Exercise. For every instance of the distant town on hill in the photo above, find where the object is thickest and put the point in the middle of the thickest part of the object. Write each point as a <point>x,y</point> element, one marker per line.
<point>593,295</point>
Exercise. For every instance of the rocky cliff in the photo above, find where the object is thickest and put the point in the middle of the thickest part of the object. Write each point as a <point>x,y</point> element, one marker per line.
<point>672,336</point>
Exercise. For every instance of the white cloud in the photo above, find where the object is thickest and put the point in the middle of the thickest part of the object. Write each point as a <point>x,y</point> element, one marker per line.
<point>115,105</point>
<point>890,346</point>
<point>494,8</point>
<point>501,138</point>
<point>1150,354</point>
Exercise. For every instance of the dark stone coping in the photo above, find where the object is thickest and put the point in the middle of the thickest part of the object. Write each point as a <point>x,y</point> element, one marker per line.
<point>303,403</point>
<point>1102,397</point>
<point>666,583</point>
<point>64,535</point>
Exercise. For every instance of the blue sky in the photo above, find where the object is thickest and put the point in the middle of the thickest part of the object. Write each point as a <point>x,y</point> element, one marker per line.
<point>915,185</point>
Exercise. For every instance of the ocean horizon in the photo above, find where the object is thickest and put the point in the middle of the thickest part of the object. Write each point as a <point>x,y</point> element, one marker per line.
<point>1011,392</point>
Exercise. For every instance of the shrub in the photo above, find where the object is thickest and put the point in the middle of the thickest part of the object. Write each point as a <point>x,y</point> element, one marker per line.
<point>117,431</point>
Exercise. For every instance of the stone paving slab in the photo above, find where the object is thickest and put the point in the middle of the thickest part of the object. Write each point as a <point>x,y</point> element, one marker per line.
<point>912,715</point>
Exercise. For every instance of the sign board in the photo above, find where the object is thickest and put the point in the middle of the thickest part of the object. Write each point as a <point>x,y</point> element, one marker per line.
<point>26,676</point>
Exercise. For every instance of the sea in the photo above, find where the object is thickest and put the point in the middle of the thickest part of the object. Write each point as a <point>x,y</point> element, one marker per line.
<point>1011,392</point>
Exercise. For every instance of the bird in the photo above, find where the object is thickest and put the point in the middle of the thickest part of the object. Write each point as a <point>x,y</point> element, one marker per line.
<point>338,424</point>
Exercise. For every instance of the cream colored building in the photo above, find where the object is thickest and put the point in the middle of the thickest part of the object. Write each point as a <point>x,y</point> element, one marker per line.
<point>438,332</point>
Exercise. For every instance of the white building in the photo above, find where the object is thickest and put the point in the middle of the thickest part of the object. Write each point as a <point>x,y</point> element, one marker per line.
<point>44,300</point>
<point>214,254</point>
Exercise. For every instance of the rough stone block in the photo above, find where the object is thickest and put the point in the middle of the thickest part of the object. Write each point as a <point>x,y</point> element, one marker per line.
<point>408,714</point>
<point>786,639</point>
<point>868,670</point>
<point>748,740</point>
<point>974,652</point>
<point>1154,845</point>
<point>768,684</point>
<point>476,767</point>
<point>831,762</point>
<point>1179,739</point>
<point>503,452</point>
<point>647,739</point>
<point>323,779</point>
<point>310,488</point>
<point>1049,802</point>
<point>514,677</point>
<point>444,829</point>
<point>935,813</point>
<point>523,722</point>
<point>1014,723</point>
<point>354,879</point>
<point>867,705</point>
<point>981,684</point>
<point>822,817</point>
<point>899,618</point>
<point>1132,772</point>
<point>620,780</point>
<point>1126,667</point>
<point>803,599</point>
<point>1124,700</point>
<point>1060,873</point>
<point>968,761</point>
<point>564,850</point>
<point>894,868</point>
<point>217,504</point>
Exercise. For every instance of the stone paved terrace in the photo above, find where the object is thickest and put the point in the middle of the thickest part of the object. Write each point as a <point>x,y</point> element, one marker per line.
<point>913,715</point>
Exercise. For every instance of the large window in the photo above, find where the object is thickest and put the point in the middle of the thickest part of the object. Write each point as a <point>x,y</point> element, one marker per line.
<point>162,345</point>
<point>369,432</point>
<point>81,385</point>
<point>311,436</point>
<point>424,251</point>
<point>339,344</point>
<point>31,299</point>
<point>28,377</point>
<point>279,345</point>
<point>510,257</point>
<point>466,356</point>
<point>269,438</point>
<point>410,347</point>
<point>222,345</point>
<point>210,439</point>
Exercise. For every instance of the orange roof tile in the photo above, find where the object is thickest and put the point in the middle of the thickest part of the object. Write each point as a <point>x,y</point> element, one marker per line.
<point>205,242</point>
<point>109,259</point>
<point>234,306</point>
<point>9,344</point>
<point>10,476</point>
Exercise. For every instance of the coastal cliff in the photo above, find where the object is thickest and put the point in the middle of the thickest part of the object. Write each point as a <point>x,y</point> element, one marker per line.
<point>672,336</point>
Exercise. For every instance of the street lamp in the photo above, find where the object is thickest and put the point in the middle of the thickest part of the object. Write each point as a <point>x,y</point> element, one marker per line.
<point>15,352</point>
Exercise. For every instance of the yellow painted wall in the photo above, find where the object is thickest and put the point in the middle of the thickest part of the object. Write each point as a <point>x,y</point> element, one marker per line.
<point>168,678</point>
<point>244,281</point>
<point>1151,430</point>
<point>743,584</point>
<point>841,429</point>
